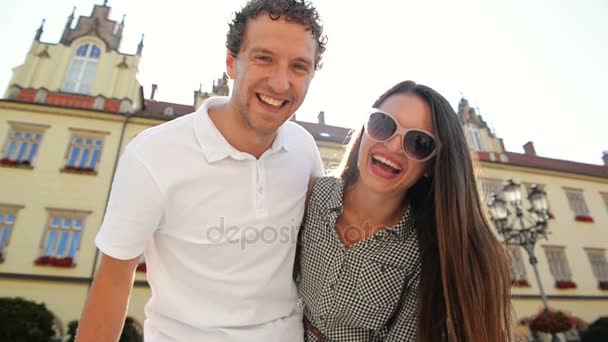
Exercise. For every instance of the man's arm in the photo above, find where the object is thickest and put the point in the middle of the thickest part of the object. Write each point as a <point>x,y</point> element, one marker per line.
<point>104,312</point>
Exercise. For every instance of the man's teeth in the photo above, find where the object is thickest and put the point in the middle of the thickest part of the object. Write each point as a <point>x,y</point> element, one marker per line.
<point>387,162</point>
<point>271,101</point>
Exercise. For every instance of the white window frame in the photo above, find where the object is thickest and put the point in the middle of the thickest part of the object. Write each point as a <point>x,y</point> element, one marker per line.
<point>558,263</point>
<point>517,266</point>
<point>82,70</point>
<point>23,142</point>
<point>475,138</point>
<point>63,233</point>
<point>8,219</point>
<point>598,262</point>
<point>83,146</point>
<point>577,203</point>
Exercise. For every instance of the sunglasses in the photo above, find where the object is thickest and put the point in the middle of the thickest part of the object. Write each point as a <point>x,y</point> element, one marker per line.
<point>418,144</point>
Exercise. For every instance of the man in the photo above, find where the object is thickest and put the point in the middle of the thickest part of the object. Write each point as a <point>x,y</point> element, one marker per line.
<point>215,198</point>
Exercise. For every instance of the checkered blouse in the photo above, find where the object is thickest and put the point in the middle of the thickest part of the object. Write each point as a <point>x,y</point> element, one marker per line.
<point>363,293</point>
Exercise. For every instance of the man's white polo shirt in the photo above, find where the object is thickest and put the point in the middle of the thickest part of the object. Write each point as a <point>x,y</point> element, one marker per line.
<point>219,229</point>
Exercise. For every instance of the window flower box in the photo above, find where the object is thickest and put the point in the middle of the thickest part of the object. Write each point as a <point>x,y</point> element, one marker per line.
<point>77,169</point>
<point>583,218</point>
<point>565,284</point>
<point>54,261</point>
<point>520,283</point>
<point>15,163</point>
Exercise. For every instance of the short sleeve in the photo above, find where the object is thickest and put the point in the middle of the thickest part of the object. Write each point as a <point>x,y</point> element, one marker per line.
<point>317,168</point>
<point>134,209</point>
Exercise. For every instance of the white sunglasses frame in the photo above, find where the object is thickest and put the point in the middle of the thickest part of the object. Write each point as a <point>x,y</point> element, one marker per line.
<point>402,132</point>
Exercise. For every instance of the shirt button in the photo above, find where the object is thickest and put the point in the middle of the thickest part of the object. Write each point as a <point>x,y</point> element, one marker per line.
<point>321,318</point>
<point>383,269</point>
<point>332,286</point>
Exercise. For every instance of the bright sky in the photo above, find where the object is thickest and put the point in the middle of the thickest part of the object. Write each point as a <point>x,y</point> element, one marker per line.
<point>537,70</point>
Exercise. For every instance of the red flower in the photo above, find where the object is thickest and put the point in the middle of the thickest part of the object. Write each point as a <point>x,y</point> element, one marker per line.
<point>519,283</point>
<point>565,284</point>
<point>142,267</point>
<point>79,169</point>
<point>9,162</point>
<point>53,261</point>
<point>549,321</point>
<point>583,218</point>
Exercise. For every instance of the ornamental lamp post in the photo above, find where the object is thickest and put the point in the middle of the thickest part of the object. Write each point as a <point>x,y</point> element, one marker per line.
<point>522,226</point>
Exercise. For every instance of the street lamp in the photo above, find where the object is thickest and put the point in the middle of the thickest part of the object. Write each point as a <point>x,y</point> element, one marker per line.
<point>522,226</point>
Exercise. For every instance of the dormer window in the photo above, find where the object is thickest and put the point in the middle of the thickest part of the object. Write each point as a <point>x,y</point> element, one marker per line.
<point>169,111</point>
<point>82,70</point>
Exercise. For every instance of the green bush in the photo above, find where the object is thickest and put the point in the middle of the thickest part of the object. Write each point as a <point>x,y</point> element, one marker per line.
<point>130,333</point>
<point>597,331</point>
<point>25,321</point>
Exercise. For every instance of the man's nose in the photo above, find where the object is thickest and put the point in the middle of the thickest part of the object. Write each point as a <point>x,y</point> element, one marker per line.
<point>279,80</point>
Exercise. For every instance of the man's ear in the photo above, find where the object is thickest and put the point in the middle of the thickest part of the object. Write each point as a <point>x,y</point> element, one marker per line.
<point>231,64</point>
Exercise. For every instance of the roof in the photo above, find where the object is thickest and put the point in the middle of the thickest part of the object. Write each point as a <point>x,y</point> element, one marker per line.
<point>156,109</point>
<point>536,162</point>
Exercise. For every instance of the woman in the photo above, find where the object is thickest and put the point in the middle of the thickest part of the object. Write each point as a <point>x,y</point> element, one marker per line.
<point>398,247</point>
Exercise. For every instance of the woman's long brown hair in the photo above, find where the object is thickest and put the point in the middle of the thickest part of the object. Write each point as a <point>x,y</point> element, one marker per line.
<point>465,285</point>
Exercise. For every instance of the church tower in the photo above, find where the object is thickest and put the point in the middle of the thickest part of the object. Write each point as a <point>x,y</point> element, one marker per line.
<point>85,69</point>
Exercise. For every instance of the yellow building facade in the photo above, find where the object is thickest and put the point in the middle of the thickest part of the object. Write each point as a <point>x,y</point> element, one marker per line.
<point>70,109</point>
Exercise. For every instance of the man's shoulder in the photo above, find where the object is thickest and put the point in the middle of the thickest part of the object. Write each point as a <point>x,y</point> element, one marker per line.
<point>165,134</point>
<point>297,134</point>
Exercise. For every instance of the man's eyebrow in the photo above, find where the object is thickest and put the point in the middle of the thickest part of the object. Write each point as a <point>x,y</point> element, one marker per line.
<point>261,50</point>
<point>304,60</point>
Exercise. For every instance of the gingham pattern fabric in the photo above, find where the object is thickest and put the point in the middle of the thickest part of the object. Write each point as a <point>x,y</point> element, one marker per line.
<point>367,292</point>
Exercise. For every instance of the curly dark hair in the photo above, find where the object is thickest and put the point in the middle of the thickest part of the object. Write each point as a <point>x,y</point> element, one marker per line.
<point>299,11</point>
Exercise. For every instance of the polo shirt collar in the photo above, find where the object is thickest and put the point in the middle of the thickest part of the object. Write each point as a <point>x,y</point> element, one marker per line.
<point>215,147</point>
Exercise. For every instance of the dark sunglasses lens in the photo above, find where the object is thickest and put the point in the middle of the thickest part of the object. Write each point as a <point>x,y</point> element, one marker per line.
<point>418,144</point>
<point>381,126</point>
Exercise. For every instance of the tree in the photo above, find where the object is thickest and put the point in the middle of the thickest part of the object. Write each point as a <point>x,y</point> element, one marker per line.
<point>24,321</point>
<point>130,333</point>
<point>597,331</point>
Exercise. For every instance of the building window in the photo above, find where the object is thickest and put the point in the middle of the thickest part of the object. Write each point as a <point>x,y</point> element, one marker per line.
<point>474,133</point>
<point>99,103</point>
<point>489,187</point>
<point>83,67</point>
<point>14,92</point>
<point>578,205</point>
<point>558,264</point>
<point>126,106</point>
<point>519,277</point>
<point>61,240</point>
<point>22,144</point>
<point>41,96</point>
<point>8,216</point>
<point>605,198</point>
<point>599,266</point>
<point>169,111</point>
<point>84,152</point>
